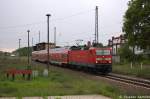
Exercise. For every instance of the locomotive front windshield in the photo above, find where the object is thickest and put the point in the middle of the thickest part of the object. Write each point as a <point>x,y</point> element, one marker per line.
<point>102,52</point>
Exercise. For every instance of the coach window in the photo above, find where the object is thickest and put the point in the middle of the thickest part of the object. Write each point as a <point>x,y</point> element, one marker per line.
<point>64,55</point>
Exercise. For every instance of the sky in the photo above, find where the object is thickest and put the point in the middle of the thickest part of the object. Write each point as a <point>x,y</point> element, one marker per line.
<point>73,19</point>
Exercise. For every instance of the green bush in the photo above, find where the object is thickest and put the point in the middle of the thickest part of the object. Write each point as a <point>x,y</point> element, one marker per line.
<point>125,53</point>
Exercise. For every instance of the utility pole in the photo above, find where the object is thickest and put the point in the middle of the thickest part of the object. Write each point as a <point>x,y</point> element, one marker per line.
<point>55,36</point>
<point>19,43</point>
<point>32,43</point>
<point>19,47</point>
<point>48,15</point>
<point>28,50</point>
<point>32,51</point>
<point>96,25</point>
<point>39,37</point>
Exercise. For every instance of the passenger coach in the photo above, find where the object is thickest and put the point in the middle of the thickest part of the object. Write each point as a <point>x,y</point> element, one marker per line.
<point>95,59</point>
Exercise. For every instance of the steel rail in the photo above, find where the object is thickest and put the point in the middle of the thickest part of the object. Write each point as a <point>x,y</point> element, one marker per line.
<point>130,80</point>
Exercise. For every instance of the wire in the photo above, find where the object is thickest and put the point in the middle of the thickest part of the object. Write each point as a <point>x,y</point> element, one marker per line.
<point>79,13</point>
<point>44,22</point>
<point>17,26</point>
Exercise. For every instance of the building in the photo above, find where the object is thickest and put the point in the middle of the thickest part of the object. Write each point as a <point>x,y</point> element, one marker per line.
<point>43,46</point>
<point>116,42</point>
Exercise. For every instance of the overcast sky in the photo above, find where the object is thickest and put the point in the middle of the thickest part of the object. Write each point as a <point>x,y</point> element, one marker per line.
<point>74,19</point>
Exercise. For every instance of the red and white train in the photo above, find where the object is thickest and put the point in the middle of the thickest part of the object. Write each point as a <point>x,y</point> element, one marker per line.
<point>95,59</point>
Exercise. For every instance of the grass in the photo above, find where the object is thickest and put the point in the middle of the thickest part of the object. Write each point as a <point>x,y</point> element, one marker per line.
<point>57,83</point>
<point>136,70</point>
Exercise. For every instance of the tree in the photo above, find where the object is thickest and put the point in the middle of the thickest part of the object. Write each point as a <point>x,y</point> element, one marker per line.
<point>23,51</point>
<point>137,23</point>
<point>125,53</point>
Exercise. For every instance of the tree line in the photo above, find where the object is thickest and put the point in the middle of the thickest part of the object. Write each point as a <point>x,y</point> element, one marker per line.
<point>136,27</point>
<point>23,51</point>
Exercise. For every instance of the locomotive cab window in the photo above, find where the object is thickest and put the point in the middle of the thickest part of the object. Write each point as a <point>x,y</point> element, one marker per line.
<point>102,52</point>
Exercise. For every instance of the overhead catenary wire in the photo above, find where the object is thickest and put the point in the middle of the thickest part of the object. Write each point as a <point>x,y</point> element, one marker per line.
<point>73,15</point>
<point>23,25</point>
<point>44,22</point>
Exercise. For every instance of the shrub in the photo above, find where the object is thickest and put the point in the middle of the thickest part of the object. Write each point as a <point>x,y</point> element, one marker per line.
<point>125,53</point>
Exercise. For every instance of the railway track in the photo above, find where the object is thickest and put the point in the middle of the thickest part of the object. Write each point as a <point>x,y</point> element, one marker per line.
<point>130,80</point>
<point>144,83</point>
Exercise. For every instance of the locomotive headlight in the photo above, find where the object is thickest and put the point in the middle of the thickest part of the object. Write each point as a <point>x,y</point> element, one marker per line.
<point>98,59</point>
<point>107,58</point>
<point>96,62</point>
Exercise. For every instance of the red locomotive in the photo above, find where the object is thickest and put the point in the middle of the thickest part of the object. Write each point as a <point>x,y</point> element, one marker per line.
<point>95,59</point>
